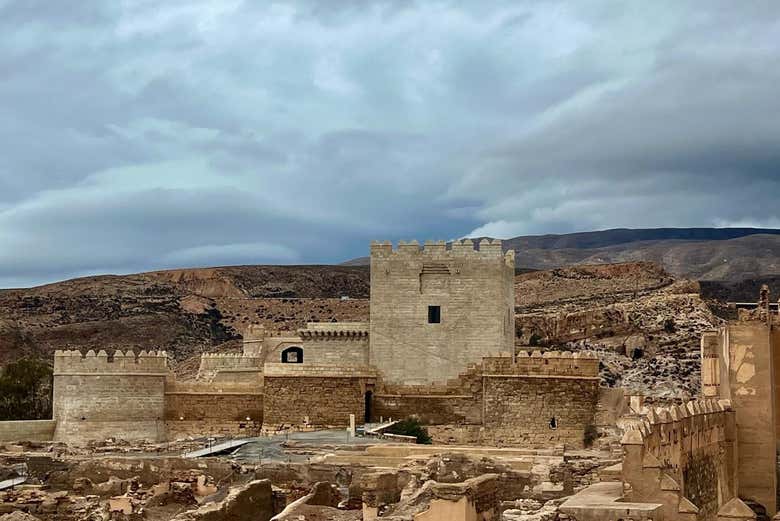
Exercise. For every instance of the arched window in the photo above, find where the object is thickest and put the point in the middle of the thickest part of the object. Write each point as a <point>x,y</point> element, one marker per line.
<point>292,355</point>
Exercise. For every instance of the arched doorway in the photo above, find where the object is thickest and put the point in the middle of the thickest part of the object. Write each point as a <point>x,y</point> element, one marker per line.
<point>292,355</point>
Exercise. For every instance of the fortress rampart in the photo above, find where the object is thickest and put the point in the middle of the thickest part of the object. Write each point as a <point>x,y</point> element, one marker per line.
<point>98,397</point>
<point>73,362</point>
<point>683,457</point>
<point>538,400</point>
<point>547,364</point>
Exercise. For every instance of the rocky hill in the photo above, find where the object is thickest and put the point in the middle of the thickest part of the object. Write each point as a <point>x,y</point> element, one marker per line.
<point>645,323</point>
<point>185,312</point>
<point>712,254</point>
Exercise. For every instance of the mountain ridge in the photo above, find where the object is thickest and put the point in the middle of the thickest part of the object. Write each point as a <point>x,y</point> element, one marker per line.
<point>712,254</point>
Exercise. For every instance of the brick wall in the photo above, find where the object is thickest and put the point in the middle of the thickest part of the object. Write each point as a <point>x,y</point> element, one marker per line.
<point>474,290</point>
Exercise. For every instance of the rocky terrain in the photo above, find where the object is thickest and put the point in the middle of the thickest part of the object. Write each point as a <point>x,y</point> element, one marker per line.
<point>185,312</point>
<point>645,323</point>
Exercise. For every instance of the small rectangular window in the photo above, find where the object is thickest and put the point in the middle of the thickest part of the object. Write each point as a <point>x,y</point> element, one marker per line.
<point>434,314</point>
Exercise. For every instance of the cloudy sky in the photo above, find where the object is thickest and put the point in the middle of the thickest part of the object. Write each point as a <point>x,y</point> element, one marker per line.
<point>138,135</point>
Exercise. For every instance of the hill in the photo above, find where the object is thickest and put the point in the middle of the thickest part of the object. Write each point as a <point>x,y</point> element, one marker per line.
<point>645,323</point>
<point>711,254</point>
<point>185,312</point>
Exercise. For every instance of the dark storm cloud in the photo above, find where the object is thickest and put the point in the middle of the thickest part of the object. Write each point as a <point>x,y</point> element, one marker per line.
<point>141,135</point>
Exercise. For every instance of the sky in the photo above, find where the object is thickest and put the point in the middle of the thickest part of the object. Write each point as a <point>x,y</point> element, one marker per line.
<point>142,135</point>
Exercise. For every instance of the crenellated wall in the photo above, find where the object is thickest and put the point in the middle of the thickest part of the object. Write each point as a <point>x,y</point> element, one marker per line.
<point>684,457</point>
<point>474,290</point>
<point>98,397</point>
<point>514,401</point>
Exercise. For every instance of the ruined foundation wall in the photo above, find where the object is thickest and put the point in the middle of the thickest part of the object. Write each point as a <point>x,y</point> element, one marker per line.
<point>96,397</point>
<point>475,293</point>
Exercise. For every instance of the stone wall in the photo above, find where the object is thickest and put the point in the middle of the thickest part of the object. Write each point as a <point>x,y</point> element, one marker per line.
<point>739,364</point>
<point>197,409</point>
<point>229,365</point>
<point>539,411</point>
<point>318,397</point>
<point>344,343</point>
<point>474,290</point>
<point>458,401</point>
<point>683,457</point>
<point>97,397</point>
<point>512,402</point>
<point>27,430</point>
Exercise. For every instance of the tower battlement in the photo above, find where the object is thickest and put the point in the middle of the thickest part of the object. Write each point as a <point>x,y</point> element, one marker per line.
<point>73,361</point>
<point>485,248</point>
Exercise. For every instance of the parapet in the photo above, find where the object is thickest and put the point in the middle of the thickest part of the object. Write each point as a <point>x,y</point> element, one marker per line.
<point>334,330</point>
<point>145,362</point>
<point>550,363</point>
<point>668,426</point>
<point>485,248</point>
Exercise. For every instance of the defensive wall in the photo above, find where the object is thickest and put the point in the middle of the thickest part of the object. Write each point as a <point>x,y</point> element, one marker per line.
<point>98,397</point>
<point>435,310</point>
<point>684,458</point>
<point>231,368</point>
<point>311,396</point>
<point>538,399</point>
<point>197,408</point>
<point>135,397</point>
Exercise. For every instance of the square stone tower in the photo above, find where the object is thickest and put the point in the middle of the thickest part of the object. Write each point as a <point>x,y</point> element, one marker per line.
<point>434,311</point>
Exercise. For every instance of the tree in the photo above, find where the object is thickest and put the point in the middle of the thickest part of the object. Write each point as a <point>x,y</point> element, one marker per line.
<point>25,390</point>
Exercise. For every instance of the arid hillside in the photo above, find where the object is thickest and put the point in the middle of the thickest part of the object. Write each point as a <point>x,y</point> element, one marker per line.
<point>645,323</point>
<point>185,312</point>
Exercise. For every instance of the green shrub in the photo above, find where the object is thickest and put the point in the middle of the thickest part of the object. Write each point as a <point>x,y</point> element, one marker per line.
<point>535,340</point>
<point>591,435</point>
<point>411,427</point>
<point>25,390</point>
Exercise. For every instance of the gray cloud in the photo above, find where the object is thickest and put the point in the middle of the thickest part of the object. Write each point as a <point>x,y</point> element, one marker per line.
<point>142,135</point>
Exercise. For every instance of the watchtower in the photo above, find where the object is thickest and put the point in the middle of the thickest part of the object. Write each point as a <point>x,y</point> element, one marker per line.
<point>435,310</point>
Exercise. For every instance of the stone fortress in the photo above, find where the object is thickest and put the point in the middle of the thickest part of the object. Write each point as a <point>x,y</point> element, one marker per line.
<point>439,345</point>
